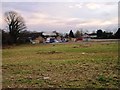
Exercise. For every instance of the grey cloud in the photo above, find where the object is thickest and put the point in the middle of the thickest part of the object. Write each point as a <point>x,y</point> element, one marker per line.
<point>56,10</point>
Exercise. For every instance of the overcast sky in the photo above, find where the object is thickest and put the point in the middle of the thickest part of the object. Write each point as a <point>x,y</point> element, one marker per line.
<point>65,16</point>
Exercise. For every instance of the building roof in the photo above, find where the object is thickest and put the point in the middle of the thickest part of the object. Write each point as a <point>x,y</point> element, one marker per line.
<point>49,34</point>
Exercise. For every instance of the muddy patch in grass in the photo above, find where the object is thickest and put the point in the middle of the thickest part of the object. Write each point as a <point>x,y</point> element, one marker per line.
<point>49,52</point>
<point>82,46</point>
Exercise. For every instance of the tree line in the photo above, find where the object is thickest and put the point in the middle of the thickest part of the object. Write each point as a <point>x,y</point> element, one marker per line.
<point>100,34</point>
<point>17,30</point>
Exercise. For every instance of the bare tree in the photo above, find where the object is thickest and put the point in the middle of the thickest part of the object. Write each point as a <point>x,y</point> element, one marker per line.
<point>77,34</point>
<point>15,24</point>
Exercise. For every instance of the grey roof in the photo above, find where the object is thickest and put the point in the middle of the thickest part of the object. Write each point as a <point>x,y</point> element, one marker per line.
<point>49,34</point>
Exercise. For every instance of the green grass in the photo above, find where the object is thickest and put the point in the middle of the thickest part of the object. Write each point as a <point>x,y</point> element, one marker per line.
<point>73,65</point>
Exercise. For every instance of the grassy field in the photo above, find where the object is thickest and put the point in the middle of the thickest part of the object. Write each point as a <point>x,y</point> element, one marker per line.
<point>70,65</point>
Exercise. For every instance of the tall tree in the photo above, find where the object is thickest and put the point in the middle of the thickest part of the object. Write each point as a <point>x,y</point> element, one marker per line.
<point>78,34</point>
<point>99,33</point>
<point>117,34</point>
<point>71,34</point>
<point>15,24</point>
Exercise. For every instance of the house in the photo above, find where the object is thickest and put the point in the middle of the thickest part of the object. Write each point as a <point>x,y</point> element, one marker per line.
<point>47,37</point>
<point>93,35</point>
<point>51,37</point>
<point>37,40</point>
<point>86,37</point>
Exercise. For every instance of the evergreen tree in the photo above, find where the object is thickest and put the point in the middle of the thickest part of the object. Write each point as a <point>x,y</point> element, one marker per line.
<point>71,34</point>
<point>117,34</point>
<point>99,33</point>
